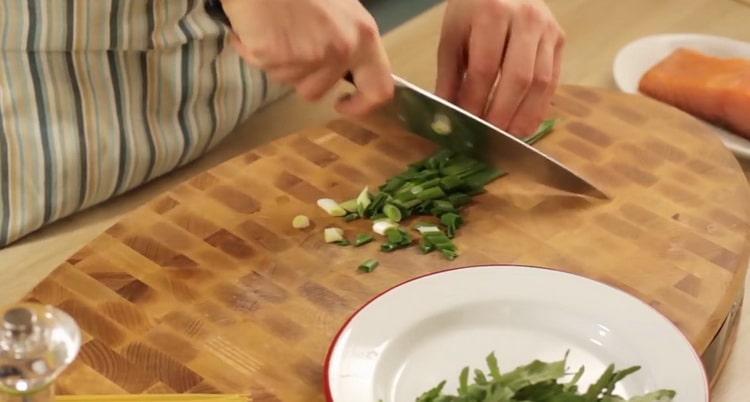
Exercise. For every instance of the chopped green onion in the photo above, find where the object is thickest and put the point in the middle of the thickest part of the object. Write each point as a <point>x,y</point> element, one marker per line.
<point>394,235</point>
<point>381,226</point>
<point>300,222</point>
<point>331,207</point>
<point>450,182</point>
<point>452,222</point>
<point>440,207</point>
<point>362,239</point>
<point>545,128</point>
<point>480,179</point>
<point>333,235</point>
<point>431,193</point>
<point>459,199</point>
<point>342,242</point>
<point>351,217</point>
<point>392,185</point>
<point>426,247</point>
<point>369,266</point>
<point>392,212</point>
<point>363,201</point>
<point>428,229</point>
<point>349,206</point>
<point>441,124</point>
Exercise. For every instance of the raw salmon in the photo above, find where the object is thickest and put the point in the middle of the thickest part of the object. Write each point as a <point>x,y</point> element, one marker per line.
<point>712,88</point>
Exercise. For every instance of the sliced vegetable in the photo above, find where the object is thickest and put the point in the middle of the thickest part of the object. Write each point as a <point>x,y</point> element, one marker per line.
<point>452,222</point>
<point>300,222</point>
<point>343,242</point>
<point>349,205</point>
<point>369,265</point>
<point>428,229</point>
<point>441,124</point>
<point>363,201</point>
<point>381,226</point>
<point>351,217</point>
<point>545,128</point>
<point>392,212</point>
<point>331,207</point>
<point>362,239</point>
<point>431,193</point>
<point>333,235</point>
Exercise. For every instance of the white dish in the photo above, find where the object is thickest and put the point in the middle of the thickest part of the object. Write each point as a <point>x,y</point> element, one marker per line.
<point>423,331</point>
<point>639,56</point>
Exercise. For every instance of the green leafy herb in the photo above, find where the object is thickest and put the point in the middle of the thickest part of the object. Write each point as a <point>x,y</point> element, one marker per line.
<point>537,381</point>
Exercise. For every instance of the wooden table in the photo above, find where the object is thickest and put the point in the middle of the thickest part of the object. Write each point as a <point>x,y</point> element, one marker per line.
<point>588,61</point>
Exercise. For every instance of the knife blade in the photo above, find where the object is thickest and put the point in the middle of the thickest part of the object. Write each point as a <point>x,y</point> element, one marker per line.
<point>427,115</point>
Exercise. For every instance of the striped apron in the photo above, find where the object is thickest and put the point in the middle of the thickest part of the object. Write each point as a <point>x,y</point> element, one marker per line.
<point>100,96</point>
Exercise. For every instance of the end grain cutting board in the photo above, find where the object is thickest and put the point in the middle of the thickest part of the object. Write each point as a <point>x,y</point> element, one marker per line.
<point>209,289</point>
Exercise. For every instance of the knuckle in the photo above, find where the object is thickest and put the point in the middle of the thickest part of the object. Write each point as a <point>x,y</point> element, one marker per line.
<point>368,28</point>
<point>483,70</point>
<point>521,79</point>
<point>495,7</point>
<point>343,47</point>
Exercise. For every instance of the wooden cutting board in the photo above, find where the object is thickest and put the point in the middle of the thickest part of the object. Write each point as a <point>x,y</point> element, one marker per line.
<point>209,289</point>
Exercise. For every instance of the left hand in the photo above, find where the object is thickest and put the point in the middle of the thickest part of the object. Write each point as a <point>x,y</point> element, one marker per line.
<point>500,59</point>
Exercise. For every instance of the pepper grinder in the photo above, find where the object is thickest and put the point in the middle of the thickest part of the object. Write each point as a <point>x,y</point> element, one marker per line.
<point>37,343</point>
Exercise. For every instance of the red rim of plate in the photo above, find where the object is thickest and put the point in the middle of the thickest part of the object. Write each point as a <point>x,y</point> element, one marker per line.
<point>334,342</point>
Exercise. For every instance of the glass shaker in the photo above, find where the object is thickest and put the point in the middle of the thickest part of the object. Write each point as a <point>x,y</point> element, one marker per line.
<point>36,344</point>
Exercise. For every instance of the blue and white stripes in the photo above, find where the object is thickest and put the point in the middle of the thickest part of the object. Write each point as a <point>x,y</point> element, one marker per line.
<point>100,96</point>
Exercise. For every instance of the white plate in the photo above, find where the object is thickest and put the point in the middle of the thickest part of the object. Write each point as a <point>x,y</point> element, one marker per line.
<point>639,56</point>
<point>421,332</point>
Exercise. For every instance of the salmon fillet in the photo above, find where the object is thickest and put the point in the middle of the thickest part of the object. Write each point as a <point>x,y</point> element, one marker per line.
<point>714,89</point>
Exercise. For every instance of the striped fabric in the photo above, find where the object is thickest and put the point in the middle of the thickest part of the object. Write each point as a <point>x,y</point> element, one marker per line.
<point>100,96</point>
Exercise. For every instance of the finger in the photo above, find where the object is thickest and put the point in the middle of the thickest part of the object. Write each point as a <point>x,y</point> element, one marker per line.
<point>536,104</point>
<point>516,73</point>
<point>243,51</point>
<point>290,75</point>
<point>372,77</point>
<point>450,66</point>
<point>486,48</point>
<point>316,85</point>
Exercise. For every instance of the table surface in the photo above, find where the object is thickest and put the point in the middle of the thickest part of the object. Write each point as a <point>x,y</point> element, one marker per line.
<point>596,30</point>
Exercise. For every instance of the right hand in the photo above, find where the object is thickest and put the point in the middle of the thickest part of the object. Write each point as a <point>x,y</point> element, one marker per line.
<point>311,45</point>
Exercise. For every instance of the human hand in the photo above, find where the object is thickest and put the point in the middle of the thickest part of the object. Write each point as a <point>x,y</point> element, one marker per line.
<point>500,59</point>
<point>311,44</point>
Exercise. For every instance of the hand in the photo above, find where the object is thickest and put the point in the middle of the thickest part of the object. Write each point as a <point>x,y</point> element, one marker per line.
<point>500,59</point>
<point>311,44</point>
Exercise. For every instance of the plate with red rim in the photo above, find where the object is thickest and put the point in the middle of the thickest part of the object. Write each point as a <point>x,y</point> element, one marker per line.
<point>637,57</point>
<point>408,339</point>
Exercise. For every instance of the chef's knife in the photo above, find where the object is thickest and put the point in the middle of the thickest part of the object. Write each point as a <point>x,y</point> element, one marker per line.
<point>420,112</point>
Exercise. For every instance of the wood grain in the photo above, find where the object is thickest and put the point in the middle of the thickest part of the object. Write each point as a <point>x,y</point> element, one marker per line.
<point>209,287</point>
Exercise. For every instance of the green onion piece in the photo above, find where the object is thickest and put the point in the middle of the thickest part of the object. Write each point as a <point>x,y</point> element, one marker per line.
<point>440,207</point>
<point>459,199</point>
<point>378,216</point>
<point>388,247</point>
<point>480,179</point>
<point>450,182</point>
<point>351,217</point>
<point>363,201</point>
<point>407,205</point>
<point>426,247</point>
<point>376,204</point>
<point>369,266</point>
<point>431,183</point>
<point>394,235</point>
<point>449,254</point>
<point>362,239</point>
<point>405,196</point>
<point>350,205</point>
<point>545,128</point>
<point>342,242</point>
<point>392,185</point>
<point>392,212</point>
<point>431,193</point>
<point>452,222</point>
